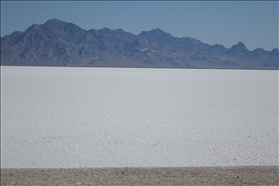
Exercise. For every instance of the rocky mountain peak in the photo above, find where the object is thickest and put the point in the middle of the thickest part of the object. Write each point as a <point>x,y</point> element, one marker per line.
<point>239,48</point>
<point>59,43</point>
<point>53,21</point>
<point>239,45</point>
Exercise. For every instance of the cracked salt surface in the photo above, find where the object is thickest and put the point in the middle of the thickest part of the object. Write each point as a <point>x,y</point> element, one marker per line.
<point>112,117</point>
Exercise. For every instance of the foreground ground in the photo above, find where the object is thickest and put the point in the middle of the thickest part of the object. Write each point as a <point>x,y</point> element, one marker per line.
<point>258,175</point>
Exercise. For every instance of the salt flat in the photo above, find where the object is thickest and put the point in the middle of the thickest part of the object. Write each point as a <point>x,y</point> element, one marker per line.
<point>120,117</point>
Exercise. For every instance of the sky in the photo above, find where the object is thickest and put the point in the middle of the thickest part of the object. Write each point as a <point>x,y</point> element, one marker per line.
<point>254,23</point>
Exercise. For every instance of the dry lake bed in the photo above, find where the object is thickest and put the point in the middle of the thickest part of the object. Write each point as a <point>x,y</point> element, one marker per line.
<point>55,119</point>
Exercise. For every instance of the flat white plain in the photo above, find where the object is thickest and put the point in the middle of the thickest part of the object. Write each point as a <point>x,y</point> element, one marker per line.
<point>54,117</point>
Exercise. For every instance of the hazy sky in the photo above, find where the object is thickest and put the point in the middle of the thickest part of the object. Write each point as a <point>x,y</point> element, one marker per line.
<point>227,23</point>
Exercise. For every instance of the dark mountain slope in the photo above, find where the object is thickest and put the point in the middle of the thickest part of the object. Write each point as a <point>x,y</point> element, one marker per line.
<point>58,43</point>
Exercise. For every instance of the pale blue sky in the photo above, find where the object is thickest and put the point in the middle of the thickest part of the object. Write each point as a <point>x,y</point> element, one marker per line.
<point>227,23</point>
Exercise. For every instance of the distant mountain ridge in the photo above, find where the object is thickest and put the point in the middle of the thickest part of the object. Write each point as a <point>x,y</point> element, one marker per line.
<point>58,43</point>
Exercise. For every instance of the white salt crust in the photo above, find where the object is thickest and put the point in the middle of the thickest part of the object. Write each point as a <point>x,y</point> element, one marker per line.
<point>121,117</point>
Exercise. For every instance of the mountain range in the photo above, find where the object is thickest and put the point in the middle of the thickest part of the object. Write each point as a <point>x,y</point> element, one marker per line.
<point>59,43</point>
